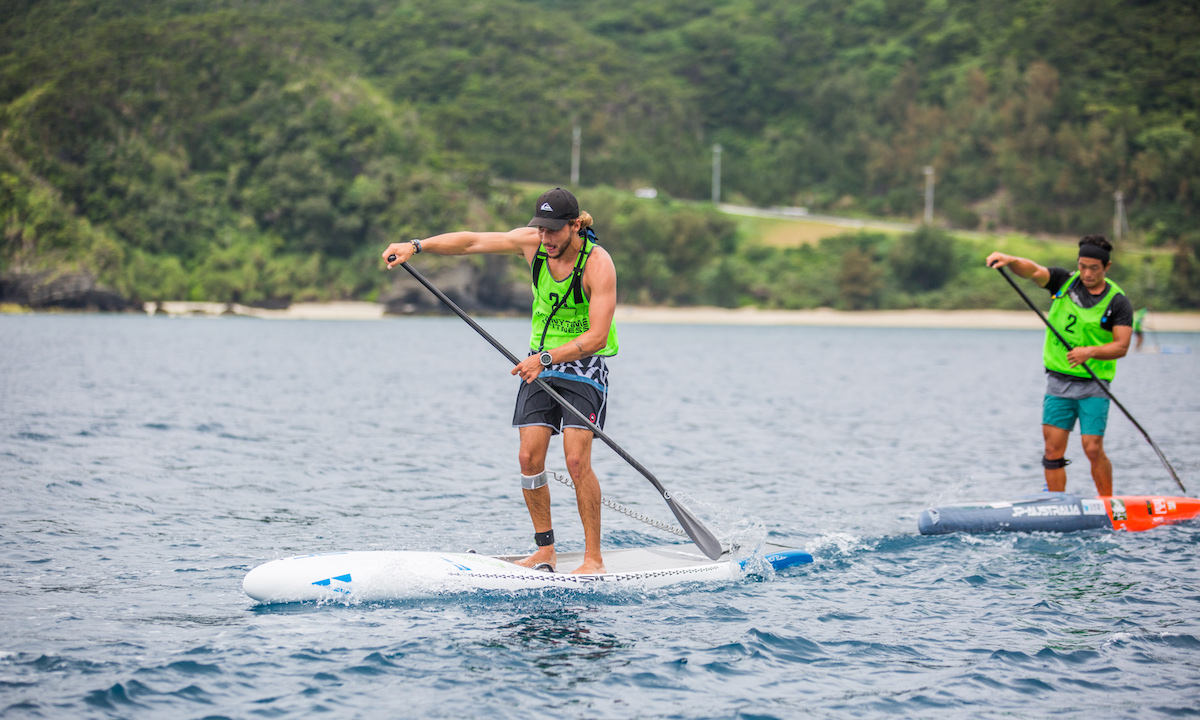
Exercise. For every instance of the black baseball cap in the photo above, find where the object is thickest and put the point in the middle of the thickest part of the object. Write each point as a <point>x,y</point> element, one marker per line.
<point>554,208</point>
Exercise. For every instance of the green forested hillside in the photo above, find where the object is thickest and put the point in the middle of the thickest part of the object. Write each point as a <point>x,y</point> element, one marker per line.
<point>218,142</point>
<point>1045,107</point>
<point>265,150</point>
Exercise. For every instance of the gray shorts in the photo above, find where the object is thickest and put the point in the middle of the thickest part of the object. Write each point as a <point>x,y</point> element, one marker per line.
<point>1074,389</point>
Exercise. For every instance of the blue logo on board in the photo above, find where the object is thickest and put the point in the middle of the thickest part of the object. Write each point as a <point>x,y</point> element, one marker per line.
<point>328,582</point>
<point>460,566</point>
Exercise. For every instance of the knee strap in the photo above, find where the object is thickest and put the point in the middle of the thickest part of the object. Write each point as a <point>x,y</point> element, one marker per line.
<point>533,482</point>
<point>1058,464</point>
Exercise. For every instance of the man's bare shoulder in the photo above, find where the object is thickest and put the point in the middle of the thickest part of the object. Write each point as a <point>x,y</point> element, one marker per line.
<point>600,274</point>
<point>599,253</point>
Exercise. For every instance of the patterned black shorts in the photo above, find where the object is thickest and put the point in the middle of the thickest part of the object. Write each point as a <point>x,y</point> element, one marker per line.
<point>583,383</point>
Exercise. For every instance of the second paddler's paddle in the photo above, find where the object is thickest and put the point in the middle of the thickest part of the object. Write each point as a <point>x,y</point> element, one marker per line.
<point>1103,386</point>
<point>702,536</point>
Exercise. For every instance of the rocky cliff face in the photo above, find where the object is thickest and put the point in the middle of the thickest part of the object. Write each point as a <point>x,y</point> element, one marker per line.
<point>490,286</point>
<point>69,290</point>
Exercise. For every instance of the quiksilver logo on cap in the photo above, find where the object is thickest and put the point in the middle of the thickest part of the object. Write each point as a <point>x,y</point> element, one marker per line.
<point>546,207</point>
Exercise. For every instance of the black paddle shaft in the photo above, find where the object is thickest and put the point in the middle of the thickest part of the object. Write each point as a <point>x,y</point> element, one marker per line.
<point>700,535</point>
<point>1103,386</point>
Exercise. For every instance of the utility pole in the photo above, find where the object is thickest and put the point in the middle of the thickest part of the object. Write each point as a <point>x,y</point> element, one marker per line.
<point>575,135</point>
<point>716,180</point>
<point>1120,222</point>
<point>928,194</point>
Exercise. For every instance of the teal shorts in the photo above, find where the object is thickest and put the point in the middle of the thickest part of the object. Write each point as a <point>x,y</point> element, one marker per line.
<point>1061,413</point>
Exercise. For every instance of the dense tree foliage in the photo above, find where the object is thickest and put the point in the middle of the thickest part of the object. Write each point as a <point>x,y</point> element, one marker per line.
<point>1031,112</point>
<point>264,150</point>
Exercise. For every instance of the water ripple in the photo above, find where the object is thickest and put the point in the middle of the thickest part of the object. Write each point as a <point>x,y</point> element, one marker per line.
<point>147,464</point>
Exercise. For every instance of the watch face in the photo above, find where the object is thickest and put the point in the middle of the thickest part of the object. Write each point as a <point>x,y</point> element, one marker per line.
<point>546,358</point>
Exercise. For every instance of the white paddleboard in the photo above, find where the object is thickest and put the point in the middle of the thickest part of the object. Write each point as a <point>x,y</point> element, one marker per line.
<point>381,575</point>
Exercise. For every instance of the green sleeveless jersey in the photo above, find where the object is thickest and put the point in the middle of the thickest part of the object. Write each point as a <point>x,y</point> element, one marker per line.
<point>1139,319</point>
<point>563,304</point>
<point>1081,327</point>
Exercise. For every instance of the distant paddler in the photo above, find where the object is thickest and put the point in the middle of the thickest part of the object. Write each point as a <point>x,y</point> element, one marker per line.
<point>1139,325</point>
<point>575,296</point>
<point>1094,316</point>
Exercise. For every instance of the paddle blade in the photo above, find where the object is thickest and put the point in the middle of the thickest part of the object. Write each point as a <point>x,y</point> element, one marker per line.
<point>702,536</point>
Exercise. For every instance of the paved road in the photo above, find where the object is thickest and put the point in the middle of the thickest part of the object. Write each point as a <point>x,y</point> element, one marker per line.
<point>800,215</point>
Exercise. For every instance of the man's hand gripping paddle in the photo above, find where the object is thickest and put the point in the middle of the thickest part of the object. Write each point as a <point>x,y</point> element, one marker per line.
<point>700,535</point>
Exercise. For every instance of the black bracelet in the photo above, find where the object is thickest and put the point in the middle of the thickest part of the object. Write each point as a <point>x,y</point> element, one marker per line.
<point>544,539</point>
<point>417,245</point>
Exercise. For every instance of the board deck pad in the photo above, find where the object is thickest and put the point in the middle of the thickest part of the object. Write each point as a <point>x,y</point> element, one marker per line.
<point>380,575</point>
<point>1059,512</point>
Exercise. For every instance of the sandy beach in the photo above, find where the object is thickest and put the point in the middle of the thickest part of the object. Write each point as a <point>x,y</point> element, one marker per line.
<point>979,319</point>
<point>295,311</point>
<point>627,314</point>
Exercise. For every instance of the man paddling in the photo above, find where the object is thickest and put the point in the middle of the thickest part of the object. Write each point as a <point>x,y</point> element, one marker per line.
<point>575,296</point>
<point>1096,318</point>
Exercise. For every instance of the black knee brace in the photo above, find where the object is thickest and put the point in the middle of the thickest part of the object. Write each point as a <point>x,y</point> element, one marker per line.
<point>1058,464</point>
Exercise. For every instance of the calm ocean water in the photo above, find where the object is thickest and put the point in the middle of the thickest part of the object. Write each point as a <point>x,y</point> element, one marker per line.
<point>146,464</point>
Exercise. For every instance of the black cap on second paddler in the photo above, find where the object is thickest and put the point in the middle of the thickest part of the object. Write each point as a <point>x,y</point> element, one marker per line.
<point>554,208</point>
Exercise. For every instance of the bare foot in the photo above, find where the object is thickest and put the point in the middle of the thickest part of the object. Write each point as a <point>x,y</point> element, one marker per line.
<point>543,555</point>
<point>589,567</point>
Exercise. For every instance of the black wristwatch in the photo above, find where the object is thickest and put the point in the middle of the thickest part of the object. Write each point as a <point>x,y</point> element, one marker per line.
<point>546,358</point>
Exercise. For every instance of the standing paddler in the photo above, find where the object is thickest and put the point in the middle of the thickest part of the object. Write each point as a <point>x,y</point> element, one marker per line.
<point>1094,316</point>
<point>574,298</point>
<point>1139,324</point>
